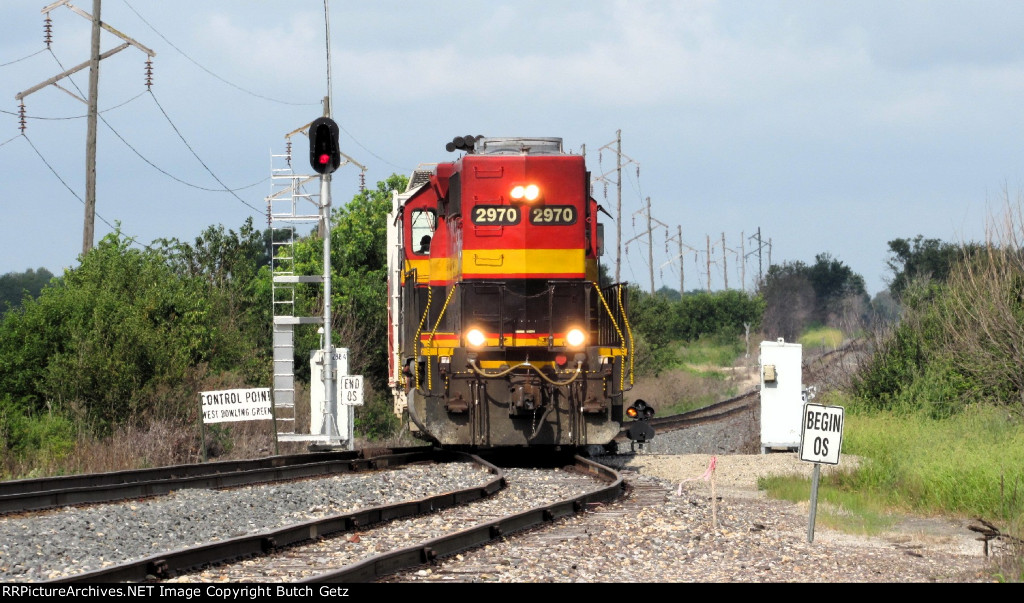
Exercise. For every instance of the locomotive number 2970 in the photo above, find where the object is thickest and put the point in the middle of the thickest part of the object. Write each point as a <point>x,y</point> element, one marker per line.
<point>496,214</point>
<point>553,214</point>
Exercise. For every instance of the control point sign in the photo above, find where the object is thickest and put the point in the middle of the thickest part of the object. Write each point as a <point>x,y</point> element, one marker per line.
<point>236,405</point>
<point>822,434</point>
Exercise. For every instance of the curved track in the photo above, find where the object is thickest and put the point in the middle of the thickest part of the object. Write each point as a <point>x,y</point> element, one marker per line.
<point>821,368</point>
<point>307,550</point>
<point>20,496</point>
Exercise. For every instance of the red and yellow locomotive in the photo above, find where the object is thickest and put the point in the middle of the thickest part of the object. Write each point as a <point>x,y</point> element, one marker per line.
<point>500,334</point>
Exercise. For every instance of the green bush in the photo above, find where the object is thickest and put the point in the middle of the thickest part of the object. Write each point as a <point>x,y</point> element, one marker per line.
<point>40,437</point>
<point>376,420</point>
<point>98,343</point>
<point>660,324</point>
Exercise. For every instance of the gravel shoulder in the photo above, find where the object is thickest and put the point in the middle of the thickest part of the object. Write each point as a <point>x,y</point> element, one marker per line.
<point>735,476</point>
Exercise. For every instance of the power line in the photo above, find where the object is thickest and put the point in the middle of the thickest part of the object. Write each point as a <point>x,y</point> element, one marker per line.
<point>198,158</point>
<point>153,165</point>
<point>197,64</point>
<point>37,117</point>
<point>54,171</point>
<point>359,144</point>
<point>23,58</point>
<point>175,128</point>
<point>170,175</point>
<point>132,239</point>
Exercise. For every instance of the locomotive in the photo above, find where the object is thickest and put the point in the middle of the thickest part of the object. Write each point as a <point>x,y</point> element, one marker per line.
<point>499,331</point>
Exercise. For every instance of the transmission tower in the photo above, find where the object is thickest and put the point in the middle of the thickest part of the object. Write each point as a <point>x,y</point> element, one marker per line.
<point>760,246</point>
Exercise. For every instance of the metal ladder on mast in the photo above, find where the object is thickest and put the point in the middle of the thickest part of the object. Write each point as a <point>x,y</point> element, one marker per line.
<point>288,207</point>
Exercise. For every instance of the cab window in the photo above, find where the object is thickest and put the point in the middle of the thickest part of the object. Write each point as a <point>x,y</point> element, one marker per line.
<point>422,227</point>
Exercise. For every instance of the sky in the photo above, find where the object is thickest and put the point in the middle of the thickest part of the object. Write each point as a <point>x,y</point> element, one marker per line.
<point>826,126</point>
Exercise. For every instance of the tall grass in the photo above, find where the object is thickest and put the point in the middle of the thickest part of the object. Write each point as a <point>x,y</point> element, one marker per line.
<point>969,464</point>
<point>714,351</point>
<point>821,337</point>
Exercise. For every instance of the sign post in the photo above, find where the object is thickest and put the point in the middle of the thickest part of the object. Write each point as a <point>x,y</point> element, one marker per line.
<point>821,438</point>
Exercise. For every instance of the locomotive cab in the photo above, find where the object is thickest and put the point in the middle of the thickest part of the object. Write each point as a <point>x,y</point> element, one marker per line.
<point>501,334</point>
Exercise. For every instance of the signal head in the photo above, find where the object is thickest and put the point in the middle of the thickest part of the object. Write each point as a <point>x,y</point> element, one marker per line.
<point>640,411</point>
<point>324,150</point>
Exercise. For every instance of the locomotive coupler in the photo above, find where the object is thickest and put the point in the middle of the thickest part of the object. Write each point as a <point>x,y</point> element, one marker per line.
<point>524,394</point>
<point>458,404</point>
<point>593,406</point>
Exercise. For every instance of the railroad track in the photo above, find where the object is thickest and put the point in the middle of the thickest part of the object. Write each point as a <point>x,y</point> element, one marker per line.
<point>531,498</point>
<point>357,544</point>
<point>19,496</point>
<point>818,367</point>
<point>365,542</point>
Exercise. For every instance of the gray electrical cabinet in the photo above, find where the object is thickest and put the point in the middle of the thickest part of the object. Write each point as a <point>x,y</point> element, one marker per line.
<point>781,395</point>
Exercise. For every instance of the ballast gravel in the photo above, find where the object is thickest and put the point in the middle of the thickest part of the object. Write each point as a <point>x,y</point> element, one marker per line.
<point>73,540</point>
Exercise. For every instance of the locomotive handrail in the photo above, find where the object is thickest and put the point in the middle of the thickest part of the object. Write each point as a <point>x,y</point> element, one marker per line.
<point>418,345</point>
<point>478,371</point>
<point>629,331</point>
<point>433,333</point>
<point>622,338</point>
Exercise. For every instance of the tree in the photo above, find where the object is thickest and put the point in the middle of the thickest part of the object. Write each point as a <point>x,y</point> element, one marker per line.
<point>797,295</point>
<point>916,258</point>
<point>359,279</point>
<point>789,301</point>
<point>234,266</point>
<point>96,344</point>
<point>14,286</point>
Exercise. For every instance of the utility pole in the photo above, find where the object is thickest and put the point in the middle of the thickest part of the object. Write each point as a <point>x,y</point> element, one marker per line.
<point>618,185</point>
<point>88,231</point>
<point>709,261</point>
<point>681,255</point>
<point>90,135</point>
<point>650,245</point>
<point>725,267</point>
<point>682,264</point>
<point>650,238</point>
<point>743,262</point>
<point>618,204</point>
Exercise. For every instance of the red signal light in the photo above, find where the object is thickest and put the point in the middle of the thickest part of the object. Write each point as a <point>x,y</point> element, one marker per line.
<point>324,153</point>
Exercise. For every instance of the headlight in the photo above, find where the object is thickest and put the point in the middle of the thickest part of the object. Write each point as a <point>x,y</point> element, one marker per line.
<point>575,337</point>
<point>475,338</point>
<point>529,192</point>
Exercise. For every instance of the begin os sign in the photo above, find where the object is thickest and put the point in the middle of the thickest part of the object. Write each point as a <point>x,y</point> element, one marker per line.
<point>821,435</point>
